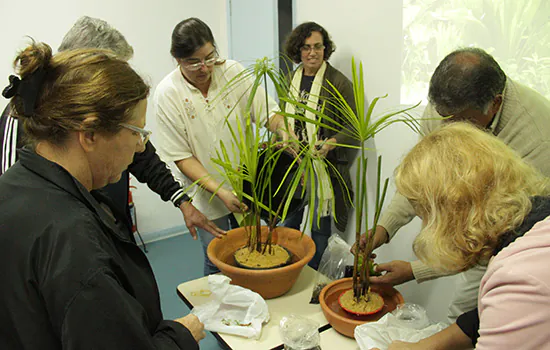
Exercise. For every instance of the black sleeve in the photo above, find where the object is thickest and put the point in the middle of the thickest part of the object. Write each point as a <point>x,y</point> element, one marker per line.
<point>469,324</point>
<point>103,315</point>
<point>148,168</point>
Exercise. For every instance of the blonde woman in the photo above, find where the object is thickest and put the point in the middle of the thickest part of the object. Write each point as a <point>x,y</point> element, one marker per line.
<point>481,203</point>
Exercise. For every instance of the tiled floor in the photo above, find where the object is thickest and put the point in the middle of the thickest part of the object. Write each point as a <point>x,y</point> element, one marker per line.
<point>176,260</point>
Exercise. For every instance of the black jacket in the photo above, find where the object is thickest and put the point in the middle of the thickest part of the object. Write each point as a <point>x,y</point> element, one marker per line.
<point>147,167</point>
<point>70,277</point>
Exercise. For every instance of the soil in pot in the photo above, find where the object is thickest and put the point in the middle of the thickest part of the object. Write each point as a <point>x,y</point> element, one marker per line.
<point>277,256</point>
<point>367,305</point>
<point>389,305</point>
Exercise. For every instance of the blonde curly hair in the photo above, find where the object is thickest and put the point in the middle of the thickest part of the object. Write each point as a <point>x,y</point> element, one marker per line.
<point>469,188</point>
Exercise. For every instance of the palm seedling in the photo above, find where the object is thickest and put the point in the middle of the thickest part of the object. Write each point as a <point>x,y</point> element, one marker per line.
<point>254,155</point>
<point>359,124</point>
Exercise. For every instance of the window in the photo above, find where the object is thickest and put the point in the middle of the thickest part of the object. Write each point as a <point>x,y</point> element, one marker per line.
<point>516,33</point>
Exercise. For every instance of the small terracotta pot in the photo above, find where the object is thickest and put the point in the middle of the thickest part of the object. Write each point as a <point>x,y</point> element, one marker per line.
<point>269,283</point>
<point>344,322</point>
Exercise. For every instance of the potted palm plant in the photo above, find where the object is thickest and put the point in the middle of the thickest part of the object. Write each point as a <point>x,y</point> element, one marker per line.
<point>349,302</point>
<point>270,176</point>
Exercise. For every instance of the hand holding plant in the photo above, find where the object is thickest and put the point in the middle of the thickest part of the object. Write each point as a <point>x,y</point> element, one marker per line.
<point>380,237</point>
<point>231,201</point>
<point>322,147</point>
<point>396,272</point>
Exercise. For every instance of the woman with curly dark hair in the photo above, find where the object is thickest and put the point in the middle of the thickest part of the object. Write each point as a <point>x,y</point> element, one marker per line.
<point>310,46</point>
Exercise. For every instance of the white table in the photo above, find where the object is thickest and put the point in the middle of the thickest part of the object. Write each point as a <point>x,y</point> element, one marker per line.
<point>330,339</point>
<point>295,301</point>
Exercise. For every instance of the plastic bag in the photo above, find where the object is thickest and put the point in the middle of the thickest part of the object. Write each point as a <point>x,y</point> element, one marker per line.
<point>332,266</point>
<point>409,322</point>
<point>411,316</point>
<point>234,310</point>
<point>299,333</point>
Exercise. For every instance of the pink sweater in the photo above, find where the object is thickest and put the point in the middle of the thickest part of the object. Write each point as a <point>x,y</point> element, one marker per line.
<point>514,295</point>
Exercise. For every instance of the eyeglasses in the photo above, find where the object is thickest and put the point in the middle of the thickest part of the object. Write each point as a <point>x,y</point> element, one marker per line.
<point>144,134</point>
<point>209,62</point>
<point>316,47</point>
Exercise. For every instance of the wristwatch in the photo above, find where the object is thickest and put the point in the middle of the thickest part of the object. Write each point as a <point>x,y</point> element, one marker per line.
<point>183,198</point>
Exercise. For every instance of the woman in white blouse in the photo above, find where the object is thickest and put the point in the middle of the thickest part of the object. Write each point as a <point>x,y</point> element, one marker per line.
<point>192,119</point>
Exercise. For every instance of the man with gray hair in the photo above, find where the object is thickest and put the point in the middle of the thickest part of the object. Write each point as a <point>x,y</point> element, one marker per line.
<point>469,85</point>
<point>89,32</point>
<point>147,167</point>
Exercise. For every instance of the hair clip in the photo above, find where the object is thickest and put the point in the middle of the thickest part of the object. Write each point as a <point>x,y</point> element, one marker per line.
<point>29,88</point>
<point>10,90</point>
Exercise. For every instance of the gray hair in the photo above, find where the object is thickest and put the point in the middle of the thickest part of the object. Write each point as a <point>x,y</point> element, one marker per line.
<point>95,33</point>
<point>466,78</point>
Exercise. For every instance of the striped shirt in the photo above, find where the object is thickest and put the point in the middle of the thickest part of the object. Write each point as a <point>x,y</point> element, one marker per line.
<point>10,139</point>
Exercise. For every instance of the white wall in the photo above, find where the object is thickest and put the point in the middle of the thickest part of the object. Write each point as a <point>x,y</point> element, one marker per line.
<point>253,37</point>
<point>147,25</point>
<point>371,31</point>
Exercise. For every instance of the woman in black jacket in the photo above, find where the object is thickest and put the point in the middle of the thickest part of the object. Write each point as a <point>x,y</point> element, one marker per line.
<point>71,277</point>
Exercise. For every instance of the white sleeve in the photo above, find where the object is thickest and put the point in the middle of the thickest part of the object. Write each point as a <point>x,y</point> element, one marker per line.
<point>173,141</point>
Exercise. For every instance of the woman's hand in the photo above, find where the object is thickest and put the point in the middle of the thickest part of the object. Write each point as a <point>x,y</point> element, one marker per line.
<point>231,201</point>
<point>323,147</point>
<point>194,325</point>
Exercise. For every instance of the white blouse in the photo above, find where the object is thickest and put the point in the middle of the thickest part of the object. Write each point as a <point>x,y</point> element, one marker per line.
<point>190,124</point>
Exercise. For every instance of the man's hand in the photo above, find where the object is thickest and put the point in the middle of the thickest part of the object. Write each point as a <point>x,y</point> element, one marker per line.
<point>380,237</point>
<point>194,218</point>
<point>231,201</point>
<point>396,272</point>
<point>194,325</point>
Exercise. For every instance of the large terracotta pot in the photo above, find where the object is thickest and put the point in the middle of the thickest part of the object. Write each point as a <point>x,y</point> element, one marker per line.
<point>344,322</point>
<point>268,283</point>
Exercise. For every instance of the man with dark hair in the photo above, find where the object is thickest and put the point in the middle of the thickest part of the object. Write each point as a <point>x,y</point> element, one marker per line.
<point>147,167</point>
<point>469,85</point>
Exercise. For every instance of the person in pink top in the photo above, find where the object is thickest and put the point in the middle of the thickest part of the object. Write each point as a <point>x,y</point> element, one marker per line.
<point>481,203</point>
